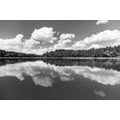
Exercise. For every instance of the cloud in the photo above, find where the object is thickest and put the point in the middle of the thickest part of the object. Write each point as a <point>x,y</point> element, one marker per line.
<point>95,46</point>
<point>67,36</point>
<point>64,42</point>
<point>42,40</point>
<point>45,34</point>
<point>19,37</point>
<point>102,22</point>
<point>13,44</point>
<point>102,39</point>
<point>46,39</point>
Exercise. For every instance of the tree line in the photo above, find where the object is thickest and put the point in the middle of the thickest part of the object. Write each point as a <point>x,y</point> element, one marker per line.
<point>101,52</point>
<point>4,53</point>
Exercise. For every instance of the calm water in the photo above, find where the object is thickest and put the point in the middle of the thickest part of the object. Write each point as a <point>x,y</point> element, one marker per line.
<point>50,79</point>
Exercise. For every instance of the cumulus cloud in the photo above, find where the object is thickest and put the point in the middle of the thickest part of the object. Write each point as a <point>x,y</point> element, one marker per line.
<point>102,39</point>
<point>67,36</point>
<point>45,34</point>
<point>39,38</point>
<point>42,40</point>
<point>95,46</point>
<point>13,44</point>
<point>46,39</point>
<point>102,22</point>
<point>64,42</point>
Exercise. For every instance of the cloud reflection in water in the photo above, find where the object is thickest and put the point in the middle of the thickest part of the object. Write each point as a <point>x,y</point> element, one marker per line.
<point>44,74</point>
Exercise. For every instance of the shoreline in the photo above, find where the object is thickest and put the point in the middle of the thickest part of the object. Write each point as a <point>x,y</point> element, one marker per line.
<point>60,58</point>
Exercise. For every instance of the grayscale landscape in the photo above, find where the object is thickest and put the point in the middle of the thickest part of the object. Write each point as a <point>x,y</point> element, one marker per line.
<point>60,60</point>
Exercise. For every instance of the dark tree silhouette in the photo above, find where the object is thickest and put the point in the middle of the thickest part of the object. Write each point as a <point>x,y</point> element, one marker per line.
<point>101,52</point>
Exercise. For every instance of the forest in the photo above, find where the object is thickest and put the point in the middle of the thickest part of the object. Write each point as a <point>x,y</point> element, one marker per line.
<point>101,52</point>
<point>4,53</point>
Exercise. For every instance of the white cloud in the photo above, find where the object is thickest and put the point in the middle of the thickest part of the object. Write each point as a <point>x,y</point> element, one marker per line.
<point>67,36</point>
<point>45,34</point>
<point>102,39</point>
<point>95,46</point>
<point>64,42</point>
<point>44,40</point>
<point>14,44</point>
<point>102,22</point>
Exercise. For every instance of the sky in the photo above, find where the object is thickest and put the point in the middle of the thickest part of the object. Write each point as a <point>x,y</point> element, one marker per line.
<point>41,36</point>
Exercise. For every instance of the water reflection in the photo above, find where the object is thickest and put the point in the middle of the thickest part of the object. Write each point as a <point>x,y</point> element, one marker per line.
<point>46,72</point>
<point>100,93</point>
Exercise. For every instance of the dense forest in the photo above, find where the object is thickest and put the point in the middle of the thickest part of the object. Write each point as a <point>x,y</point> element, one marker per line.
<point>4,53</point>
<point>101,52</point>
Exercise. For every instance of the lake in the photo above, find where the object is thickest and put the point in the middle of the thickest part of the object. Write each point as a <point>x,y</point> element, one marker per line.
<point>60,79</point>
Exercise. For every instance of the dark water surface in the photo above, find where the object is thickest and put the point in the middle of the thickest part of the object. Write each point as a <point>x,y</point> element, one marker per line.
<point>53,79</point>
